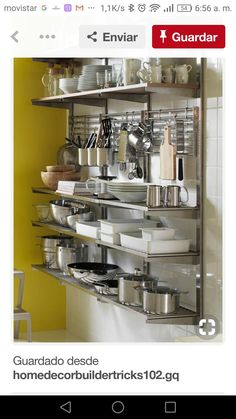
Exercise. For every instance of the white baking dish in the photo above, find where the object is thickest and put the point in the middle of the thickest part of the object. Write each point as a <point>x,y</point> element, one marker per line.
<point>110,238</point>
<point>120,225</point>
<point>160,233</point>
<point>90,229</point>
<point>135,241</point>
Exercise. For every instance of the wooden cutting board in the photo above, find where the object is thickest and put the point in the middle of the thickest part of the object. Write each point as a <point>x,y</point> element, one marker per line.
<point>167,156</point>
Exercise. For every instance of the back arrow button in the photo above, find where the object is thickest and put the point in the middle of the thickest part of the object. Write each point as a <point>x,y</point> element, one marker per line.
<point>13,36</point>
<point>66,407</point>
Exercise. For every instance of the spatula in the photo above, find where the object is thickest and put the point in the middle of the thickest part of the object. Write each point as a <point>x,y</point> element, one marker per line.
<point>167,156</point>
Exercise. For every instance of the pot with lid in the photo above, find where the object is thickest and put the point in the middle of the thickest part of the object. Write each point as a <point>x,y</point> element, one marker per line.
<point>130,287</point>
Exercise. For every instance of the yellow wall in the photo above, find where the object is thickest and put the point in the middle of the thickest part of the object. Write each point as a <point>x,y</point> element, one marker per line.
<point>38,134</point>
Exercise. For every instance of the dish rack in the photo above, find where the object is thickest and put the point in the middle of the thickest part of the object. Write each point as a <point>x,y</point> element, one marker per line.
<point>155,120</point>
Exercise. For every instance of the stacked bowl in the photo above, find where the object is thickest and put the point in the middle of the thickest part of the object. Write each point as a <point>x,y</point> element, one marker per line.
<point>68,85</point>
<point>53,174</point>
<point>128,191</point>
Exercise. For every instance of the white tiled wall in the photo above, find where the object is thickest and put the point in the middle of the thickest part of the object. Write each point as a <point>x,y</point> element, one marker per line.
<point>213,189</point>
<point>90,320</point>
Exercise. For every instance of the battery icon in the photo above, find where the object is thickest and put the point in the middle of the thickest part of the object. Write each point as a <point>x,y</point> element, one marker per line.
<point>184,7</point>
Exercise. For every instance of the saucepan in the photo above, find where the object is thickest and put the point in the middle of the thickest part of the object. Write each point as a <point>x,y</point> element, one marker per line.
<point>161,300</point>
<point>138,138</point>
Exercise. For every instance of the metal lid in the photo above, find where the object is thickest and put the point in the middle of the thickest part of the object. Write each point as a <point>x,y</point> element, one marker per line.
<point>138,275</point>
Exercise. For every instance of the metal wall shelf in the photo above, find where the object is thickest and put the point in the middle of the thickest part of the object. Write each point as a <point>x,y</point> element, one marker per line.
<point>145,256</point>
<point>133,93</point>
<point>182,316</point>
<point>153,257</point>
<point>60,229</point>
<point>185,212</point>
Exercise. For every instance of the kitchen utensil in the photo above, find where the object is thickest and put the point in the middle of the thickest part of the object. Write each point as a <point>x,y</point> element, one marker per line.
<point>167,156</point>
<point>91,140</point>
<point>91,272</point>
<point>72,219</point>
<point>83,156</point>
<point>70,254</point>
<point>127,282</point>
<point>134,241</point>
<point>154,196</point>
<point>92,156</point>
<point>51,179</point>
<point>60,209</point>
<point>179,135</point>
<point>43,212</point>
<point>123,140</point>
<point>68,154</point>
<point>137,172</point>
<point>48,248</point>
<point>159,233</point>
<point>161,300</point>
<point>107,131</point>
<point>51,241</point>
<point>182,73</point>
<point>107,287</point>
<point>180,169</point>
<point>172,196</point>
<point>138,139</point>
<point>130,68</point>
<point>103,156</point>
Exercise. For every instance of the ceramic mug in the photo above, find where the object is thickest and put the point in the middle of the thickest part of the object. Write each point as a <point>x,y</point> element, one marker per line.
<point>130,68</point>
<point>168,75</point>
<point>150,73</point>
<point>182,73</point>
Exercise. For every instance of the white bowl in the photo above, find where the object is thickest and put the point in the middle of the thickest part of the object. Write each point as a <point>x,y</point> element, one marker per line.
<point>68,89</point>
<point>130,196</point>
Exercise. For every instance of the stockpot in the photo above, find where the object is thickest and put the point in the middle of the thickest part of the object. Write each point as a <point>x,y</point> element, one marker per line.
<point>162,300</point>
<point>131,286</point>
<point>71,254</point>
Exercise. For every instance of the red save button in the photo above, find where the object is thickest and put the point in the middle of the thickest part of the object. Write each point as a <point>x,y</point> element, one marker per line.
<point>188,36</point>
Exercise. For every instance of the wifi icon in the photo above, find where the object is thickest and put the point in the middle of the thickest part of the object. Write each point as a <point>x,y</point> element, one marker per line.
<point>154,7</point>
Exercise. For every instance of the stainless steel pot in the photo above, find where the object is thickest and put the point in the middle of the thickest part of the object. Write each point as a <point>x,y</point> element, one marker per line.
<point>50,242</point>
<point>60,210</point>
<point>49,258</point>
<point>161,301</point>
<point>138,139</point>
<point>131,286</point>
<point>66,255</point>
<point>48,246</point>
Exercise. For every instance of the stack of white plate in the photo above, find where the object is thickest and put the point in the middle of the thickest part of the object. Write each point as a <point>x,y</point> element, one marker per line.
<point>128,192</point>
<point>88,78</point>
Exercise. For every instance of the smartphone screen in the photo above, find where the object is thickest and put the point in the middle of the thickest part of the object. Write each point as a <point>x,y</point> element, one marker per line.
<point>117,285</point>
